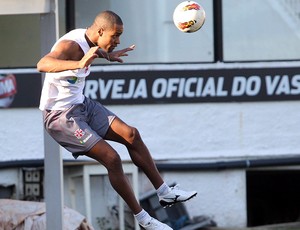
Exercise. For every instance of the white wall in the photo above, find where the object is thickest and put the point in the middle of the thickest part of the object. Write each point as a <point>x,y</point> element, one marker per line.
<point>221,195</point>
<point>211,131</point>
<point>193,132</point>
<point>178,131</point>
<point>21,135</point>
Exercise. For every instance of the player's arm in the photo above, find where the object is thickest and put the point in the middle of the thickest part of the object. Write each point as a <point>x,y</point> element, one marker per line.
<point>67,55</point>
<point>115,56</point>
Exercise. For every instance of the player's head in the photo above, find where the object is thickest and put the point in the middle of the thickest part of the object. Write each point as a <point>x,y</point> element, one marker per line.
<point>107,20</point>
<point>109,27</point>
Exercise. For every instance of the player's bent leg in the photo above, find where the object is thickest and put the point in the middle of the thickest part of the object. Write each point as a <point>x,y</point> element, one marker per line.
<point>109,158</point>
<point>106,155</point>
<point>139,153</point>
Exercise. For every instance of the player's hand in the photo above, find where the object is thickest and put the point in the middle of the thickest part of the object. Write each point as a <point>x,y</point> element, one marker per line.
<point>115,56</point>
<point>89,57</point>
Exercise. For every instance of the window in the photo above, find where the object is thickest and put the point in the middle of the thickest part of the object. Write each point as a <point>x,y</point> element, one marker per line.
<point>272,196</point>
<point>20,43</point>
<point>19,40</point>
<point>149,25</point>
<point>260,30</point>
<point>256,30</point>
<point>7,191</point>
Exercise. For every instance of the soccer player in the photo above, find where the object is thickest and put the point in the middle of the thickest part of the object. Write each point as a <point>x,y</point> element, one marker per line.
<point>82,125</point>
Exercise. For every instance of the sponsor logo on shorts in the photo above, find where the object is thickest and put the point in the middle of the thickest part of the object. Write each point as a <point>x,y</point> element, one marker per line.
<point>79,133</point>
<point>86,139</point>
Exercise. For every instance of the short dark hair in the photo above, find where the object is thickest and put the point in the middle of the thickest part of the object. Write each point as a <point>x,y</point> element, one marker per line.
<point>108,19</point>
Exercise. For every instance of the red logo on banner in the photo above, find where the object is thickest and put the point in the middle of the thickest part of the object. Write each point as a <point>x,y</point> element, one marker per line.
<point>8,89</point>
<point>8,86</point>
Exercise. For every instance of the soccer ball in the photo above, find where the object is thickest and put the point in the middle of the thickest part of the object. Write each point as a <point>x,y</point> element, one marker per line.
<point>189,16</point>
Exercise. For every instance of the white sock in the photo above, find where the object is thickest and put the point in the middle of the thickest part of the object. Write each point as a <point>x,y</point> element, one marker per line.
<point>163,189</point>
<point>143,217</point>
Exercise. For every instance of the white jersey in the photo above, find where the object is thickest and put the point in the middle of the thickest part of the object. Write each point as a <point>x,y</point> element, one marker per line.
<point>63,89</point>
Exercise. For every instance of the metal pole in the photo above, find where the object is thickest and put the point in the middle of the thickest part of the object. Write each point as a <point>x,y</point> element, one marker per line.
<point>53,160</point>
<point>218,31</point>
<point>70,15</point>
<point>53,184</point>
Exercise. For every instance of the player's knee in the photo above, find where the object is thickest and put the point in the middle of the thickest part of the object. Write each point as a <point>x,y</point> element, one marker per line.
<point>133,136</point>
<point>114,162</point>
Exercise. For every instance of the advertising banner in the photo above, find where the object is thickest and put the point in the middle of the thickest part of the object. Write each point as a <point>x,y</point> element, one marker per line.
<point>20,90</point>
<point>214,85</point>
<point>156,87</point>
